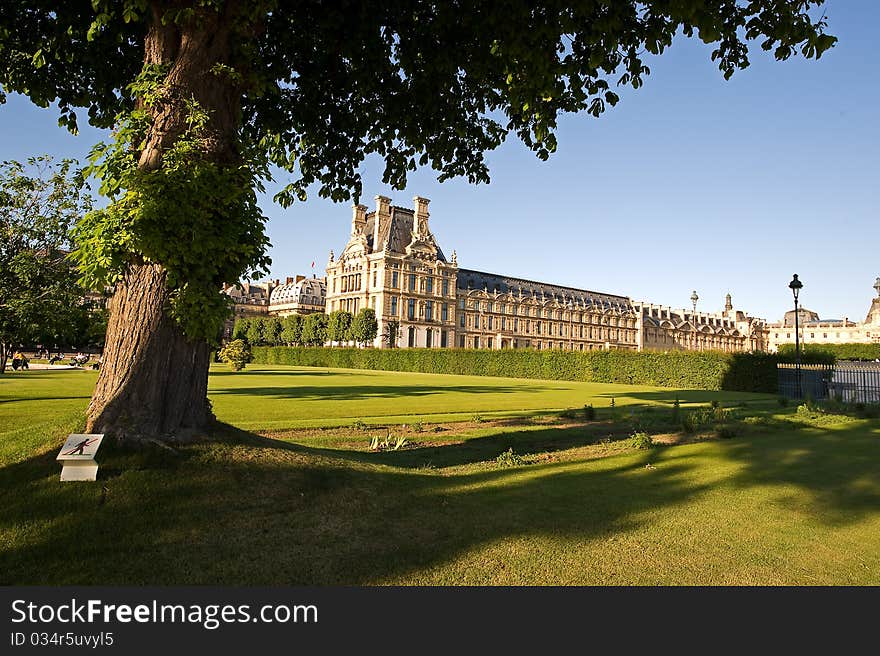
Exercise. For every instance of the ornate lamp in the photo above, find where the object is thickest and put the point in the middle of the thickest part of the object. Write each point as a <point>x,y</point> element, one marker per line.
<point>795,286</point>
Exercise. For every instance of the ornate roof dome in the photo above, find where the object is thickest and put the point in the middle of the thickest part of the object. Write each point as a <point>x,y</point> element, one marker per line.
<point>309,291</point>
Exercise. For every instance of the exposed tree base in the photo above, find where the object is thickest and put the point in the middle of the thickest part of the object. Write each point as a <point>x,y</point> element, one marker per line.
<point>153,381</point>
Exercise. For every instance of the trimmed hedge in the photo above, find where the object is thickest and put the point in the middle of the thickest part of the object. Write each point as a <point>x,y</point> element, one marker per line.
<point>709,370</point>
<point>834,351</point>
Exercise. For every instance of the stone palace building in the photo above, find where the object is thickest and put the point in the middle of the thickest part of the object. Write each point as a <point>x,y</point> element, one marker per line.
<point>393,264</point>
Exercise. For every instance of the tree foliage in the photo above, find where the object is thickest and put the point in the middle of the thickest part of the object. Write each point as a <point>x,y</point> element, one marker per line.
<point>364,327</point>
<point>339,326</point>
<point>291,333</point>
<point>319,88</point>
<point>40,302</point>
<point>314,329</point>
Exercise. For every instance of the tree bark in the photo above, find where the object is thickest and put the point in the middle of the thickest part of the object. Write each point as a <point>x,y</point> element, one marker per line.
<point>153,380</point>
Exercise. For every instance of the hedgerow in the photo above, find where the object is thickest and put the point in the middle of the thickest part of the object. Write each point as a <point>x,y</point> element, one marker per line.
<point>708,370</point>
<point>835,351</point>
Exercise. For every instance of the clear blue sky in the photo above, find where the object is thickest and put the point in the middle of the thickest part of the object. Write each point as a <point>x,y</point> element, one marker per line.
<point>689,183</point>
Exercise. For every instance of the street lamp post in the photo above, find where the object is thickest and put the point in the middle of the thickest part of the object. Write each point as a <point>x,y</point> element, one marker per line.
<point>795,285</point>
<point>694,299</point>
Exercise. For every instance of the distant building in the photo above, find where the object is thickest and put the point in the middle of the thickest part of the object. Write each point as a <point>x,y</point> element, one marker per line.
<point>814,330</point>
<point>298,295</point>
<point>250,298</point>
<point>667,329</point>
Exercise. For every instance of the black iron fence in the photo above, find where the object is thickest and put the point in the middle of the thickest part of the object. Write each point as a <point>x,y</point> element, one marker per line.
<point>851,382</point>
<point>807,381</point>
<point>856,382</point>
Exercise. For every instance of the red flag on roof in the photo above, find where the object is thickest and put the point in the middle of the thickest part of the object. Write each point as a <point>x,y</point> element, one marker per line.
<point>313,265</point>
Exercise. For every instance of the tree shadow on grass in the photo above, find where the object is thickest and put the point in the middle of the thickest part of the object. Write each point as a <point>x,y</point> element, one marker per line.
<point>274,372</point>
<point>248,510</point>
<point>458,452</point>
<point>45,398</point>
<point>839,467</point>
<point>245,509</point>
<point>688,396</point>
<point>359,392</point>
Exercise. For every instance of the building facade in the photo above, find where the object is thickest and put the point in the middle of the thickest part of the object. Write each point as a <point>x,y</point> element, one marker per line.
<point>393,264</point>
<point>813,330</point>
<point>299,295</point>
<point>666,329</point>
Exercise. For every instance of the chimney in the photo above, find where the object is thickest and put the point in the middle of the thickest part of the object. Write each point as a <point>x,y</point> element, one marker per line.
<point>383,215</point>
<point>421,215</point>
<point>289,280</point>
<point>358,218</point>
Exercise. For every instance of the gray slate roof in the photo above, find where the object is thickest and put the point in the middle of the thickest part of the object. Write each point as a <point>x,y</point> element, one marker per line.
<point>471,279</point>
<point>398,231</point>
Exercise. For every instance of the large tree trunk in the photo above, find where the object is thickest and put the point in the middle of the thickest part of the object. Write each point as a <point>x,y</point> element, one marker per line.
<point>153,380</point>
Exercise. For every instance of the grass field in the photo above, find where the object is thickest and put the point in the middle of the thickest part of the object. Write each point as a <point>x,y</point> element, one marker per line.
<point>287,492</point>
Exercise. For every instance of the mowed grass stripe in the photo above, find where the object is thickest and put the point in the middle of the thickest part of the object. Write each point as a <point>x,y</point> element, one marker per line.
<point>277,397</point>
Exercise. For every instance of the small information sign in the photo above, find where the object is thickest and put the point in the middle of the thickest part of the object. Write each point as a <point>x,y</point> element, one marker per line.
<point>78,457</point>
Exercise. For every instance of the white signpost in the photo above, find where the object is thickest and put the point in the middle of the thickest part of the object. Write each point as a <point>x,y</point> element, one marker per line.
<point>78,457</point>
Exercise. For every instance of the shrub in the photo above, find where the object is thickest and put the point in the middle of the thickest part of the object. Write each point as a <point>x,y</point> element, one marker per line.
<point>509,459</point>
<point>695,420</point>
<point>828,353</point>
<point>388,444</point>
<point>478,419</point>
<point>809,407</point>
<point>641,440</point>
<point>417,426</point>
<point>236,354</point>
<point>709,370</point>
<point>589,412</point>
<point>359,425</point>
<point>782,401</point>
<point>727,432</point>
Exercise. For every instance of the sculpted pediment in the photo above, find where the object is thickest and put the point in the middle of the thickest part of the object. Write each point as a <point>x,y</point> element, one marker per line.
<point>356,247</point>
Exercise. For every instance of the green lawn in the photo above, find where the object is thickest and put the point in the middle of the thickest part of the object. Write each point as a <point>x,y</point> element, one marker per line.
<point>277,397</point>
<point>292,495</point>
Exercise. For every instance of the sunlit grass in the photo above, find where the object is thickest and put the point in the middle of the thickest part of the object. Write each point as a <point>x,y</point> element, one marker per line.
<point>793,498</point>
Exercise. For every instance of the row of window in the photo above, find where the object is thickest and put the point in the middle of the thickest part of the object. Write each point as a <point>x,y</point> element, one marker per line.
<point>489,343</point>
<point>541,328</point>
<point>812,335</point>
<point>560,315</point>
<point>421,284</point>
<point>429,338</point>
<point>426,312</point>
